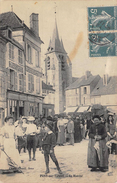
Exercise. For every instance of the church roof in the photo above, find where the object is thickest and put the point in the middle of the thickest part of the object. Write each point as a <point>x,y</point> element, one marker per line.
<point>55,45</point>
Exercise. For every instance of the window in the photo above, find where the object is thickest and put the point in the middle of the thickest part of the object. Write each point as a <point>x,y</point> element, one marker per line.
<point>9,33</point>
<point>20,82</point>
<point>48,63</point>
<point>11,51</point>
<point>20,57</point>
<point>29,54</point>
<point>61,57</point>
<point>85,90</point>
<point>36,58</point>
<point>30,83</point>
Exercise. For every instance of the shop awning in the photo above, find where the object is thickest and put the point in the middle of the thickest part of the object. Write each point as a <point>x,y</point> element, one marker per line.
<point>112,109</point>
<point>71,109</point>
<point>83,108</point>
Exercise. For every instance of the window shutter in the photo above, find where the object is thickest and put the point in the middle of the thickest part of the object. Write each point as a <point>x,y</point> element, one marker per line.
<point>16,81</point>
<point>24,83</point>
<point>8,78</point>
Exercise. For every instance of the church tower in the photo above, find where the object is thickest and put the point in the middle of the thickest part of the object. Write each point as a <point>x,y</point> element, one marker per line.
<point>58,70</point>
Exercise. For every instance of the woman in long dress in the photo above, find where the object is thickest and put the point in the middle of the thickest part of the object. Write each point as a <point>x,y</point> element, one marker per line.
<point>97,149</point>
<point>111,132</point>
<point>8,148</point>
<point>61,132</point>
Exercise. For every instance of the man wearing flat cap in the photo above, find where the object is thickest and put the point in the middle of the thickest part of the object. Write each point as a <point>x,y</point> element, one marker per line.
<point>97,150</point>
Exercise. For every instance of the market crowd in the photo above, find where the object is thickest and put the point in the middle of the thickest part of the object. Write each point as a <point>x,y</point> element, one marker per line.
<point>30,133</point>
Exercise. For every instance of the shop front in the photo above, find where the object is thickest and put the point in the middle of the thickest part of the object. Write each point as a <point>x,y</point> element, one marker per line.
<point>19,105</point>
<point>48,110</point>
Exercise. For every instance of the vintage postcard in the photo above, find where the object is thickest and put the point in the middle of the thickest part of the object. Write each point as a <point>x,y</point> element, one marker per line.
<point>58,91</point>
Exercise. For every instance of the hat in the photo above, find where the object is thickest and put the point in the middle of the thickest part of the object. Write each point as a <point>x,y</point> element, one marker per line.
<point>49,118</point>
<point>96,116</point>
<point>24,117</point>
<point>110,114</point>
<point>49,125</point>
<point>31,118</point>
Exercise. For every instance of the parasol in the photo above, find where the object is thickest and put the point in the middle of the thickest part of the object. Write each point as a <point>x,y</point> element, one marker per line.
<point>12,164</point>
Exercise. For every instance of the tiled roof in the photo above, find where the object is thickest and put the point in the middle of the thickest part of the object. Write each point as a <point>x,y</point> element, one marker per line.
<point>82,82</point>
<point>12,20</point>
<point>47,87</point>
<point>110,88</point>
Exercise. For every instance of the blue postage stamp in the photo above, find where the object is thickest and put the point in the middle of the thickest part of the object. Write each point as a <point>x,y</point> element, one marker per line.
<point>102,44</point>
<point>102,18</point>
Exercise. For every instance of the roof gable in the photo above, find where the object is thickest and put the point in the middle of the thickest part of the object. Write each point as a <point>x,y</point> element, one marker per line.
<point>82,82</point>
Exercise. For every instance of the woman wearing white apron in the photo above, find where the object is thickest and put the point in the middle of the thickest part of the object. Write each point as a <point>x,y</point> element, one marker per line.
<point>8,147</point>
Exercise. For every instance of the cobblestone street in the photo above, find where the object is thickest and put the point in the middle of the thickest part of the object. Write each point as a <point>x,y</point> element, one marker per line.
<point>73,163</point>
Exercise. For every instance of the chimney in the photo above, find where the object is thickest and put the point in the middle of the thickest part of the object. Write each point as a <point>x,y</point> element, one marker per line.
<point>87,74</point>
<point>34,26</point>
<point>105,79</point>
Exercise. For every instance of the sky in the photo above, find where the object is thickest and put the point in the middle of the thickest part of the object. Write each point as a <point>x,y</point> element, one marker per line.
<point>72,21</point>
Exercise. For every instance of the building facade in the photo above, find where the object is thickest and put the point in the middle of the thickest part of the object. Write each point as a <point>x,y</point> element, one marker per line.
<point>79,92</point>
<point>3,79</point>
<point>49,100</point>
<point>23,66</point>
<point>58,70</point>
<point>105,92</point>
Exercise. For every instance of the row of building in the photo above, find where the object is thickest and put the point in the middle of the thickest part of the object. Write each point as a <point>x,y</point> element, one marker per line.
<point>90,90</point>
<point>24,88</point>
<point>21,76</point>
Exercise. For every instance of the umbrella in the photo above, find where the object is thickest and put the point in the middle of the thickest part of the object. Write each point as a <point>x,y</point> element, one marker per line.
<point>97,107</point>
<point>12,164</point>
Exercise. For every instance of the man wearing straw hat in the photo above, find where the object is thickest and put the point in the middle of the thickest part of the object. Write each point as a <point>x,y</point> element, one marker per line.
<point>31,137</point>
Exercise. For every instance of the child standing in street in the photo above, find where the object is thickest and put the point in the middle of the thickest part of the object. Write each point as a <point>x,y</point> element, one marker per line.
<point>48,144</point>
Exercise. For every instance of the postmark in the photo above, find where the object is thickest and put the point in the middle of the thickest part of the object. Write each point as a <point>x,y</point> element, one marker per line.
<point>102,44</point>
<point>102,18</point>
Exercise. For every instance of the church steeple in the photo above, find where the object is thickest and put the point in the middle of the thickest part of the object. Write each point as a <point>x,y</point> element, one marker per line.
<point>55,44</point>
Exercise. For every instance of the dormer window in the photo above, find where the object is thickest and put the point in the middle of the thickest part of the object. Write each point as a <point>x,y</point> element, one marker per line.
<point>9,34</point>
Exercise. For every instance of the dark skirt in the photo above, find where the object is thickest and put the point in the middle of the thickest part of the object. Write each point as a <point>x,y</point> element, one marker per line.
<point>61,135</point>
<point>31,142</point>
<point>92,159</point>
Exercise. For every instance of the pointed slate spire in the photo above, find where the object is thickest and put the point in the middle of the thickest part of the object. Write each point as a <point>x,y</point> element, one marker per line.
<point>55,43</point>
<point>49,47</point>
<point>62,46</point>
